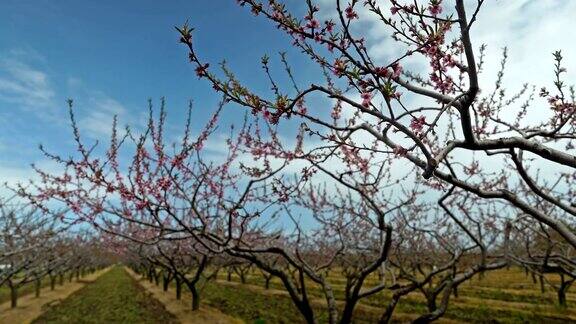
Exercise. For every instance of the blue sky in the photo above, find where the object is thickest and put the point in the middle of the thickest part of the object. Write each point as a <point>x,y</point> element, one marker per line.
<point>111,56</point>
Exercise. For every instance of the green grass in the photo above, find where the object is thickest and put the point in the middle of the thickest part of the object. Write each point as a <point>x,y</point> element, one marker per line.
<point>251,306</point>
<point>27,288</point>
<point>30,287</point>
<point>114,298</point>
<point>504,296</point>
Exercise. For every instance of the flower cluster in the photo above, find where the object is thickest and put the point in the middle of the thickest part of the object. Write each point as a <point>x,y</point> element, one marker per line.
<point>417,124</point>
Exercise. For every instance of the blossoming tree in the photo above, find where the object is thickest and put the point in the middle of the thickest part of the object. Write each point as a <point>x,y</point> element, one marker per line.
<point>437,119</point>
<point>496,171</point>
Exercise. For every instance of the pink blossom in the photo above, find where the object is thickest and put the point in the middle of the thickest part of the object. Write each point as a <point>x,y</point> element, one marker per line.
<point>366,97</point>
<point>201,70</point>
<point>277,15</point>
<point>177,161</point>
<point>382,72</point>
<point>417,124</point>
<point>435,8</point>
<point>75,207</point>
<point>313,24</point>
<point>329,25</point>
<point>141,204</point>
<point>396,70</point>
<point>164,183</point>
<point>267,115</point>
<point>350,13</point>
<point>400,151</point>
<point>339,67</point>
<point>337,110</point>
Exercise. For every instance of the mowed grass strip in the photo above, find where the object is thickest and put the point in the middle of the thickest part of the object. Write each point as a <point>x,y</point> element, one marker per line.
<point>114,298</point>
<point>252,306</point>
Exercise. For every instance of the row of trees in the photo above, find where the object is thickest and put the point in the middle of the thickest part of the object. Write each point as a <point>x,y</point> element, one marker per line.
<point>35,248</point>
<point>419,179</point>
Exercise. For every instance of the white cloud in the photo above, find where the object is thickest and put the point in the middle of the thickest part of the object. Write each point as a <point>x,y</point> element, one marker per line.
<point>24,85</point>
<point>74,82</point>
<point>12,174</point>
<point>97,114</point>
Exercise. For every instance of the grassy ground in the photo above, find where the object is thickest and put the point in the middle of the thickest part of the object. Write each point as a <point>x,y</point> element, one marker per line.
<point>182,309</point>
<point>251,305</point>
<point>30,287</point>
<point>114,298</point>
<point>31,307</point>
<point>504,296</point>
<point>27,288</point>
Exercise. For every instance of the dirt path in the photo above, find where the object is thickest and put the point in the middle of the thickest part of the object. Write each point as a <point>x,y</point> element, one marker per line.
<point>182,308</point>
<point>29,307</point>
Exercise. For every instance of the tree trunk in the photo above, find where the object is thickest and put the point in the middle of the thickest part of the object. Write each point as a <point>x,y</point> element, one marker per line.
<point>38,285</point>
<point>562,296</point>
<point>165,283</point>
<point>308,313</point>
<point>431,303</point>
<point>564,285</point>
<point>229,277</point>
<point>150,275</point>
<point>52,282</point>
<point>542,287</point>
<point>387,315</point>
<point>178,288</point>
<point>61,279</point>
<point>333,308</point>
<point>195,298</point>
<point>347,312</point>
<point>13,296</point>
<point>267,282</point>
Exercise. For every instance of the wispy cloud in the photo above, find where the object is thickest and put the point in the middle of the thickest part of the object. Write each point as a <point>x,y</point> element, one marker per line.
<point>32,111</point>
<point>24,85</point>
<point>97,115</point>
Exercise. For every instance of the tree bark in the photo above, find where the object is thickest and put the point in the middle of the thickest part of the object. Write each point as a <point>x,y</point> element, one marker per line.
<point>38,286</point>
<point>195,298</point>
<point>387,315</point>
<point>52,282</point>
<point>562,297</point>
<point>165,283</point>
<point>13,296</point>
<point>564,285</point>
<point>178,288</point>
<point>267,282</point>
